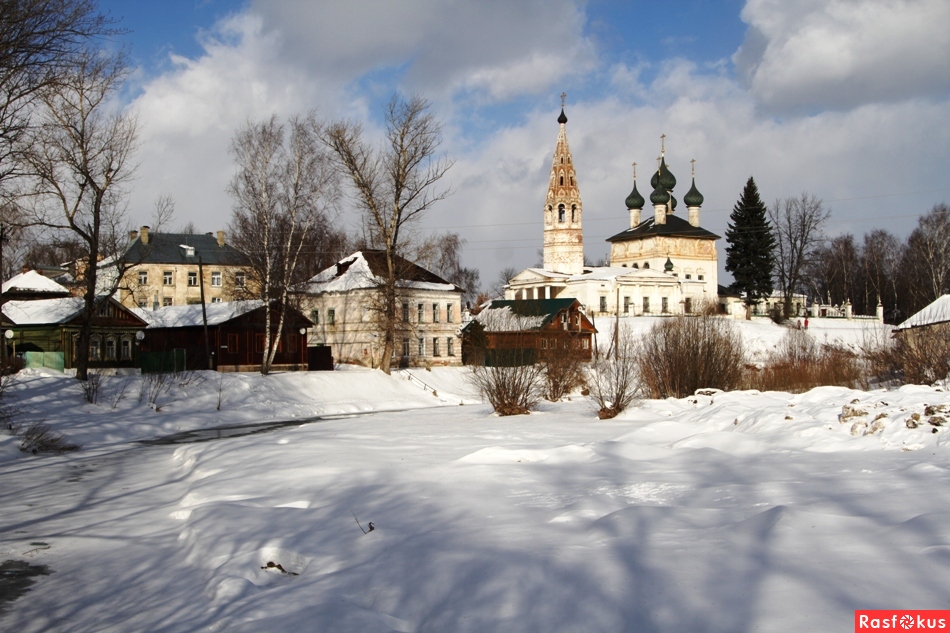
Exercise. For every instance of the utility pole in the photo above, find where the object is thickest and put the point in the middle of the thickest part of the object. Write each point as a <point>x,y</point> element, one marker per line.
<point>204,312</point>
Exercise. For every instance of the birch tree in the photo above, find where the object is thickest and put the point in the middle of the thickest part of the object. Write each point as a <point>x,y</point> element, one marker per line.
<point>392,184</point>
<point>281,189</point>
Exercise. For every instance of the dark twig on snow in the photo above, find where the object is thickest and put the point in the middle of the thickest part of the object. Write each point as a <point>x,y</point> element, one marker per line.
<point>370,525</point>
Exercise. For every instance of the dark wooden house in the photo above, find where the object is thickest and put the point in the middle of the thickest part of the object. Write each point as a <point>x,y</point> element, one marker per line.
<point>235,339</point>
<point>527,331</point>
<point>45,331</point>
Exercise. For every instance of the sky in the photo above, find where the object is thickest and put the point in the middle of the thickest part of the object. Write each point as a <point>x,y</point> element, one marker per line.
<point>846,100</point>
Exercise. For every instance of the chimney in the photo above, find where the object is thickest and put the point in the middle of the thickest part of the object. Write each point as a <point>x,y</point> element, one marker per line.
<point>220,238</point>
<point>133,235</point>
<point>144,232</point>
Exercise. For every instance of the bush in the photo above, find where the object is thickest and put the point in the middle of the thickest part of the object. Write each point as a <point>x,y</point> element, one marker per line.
<point>510,390</point>
<point>682,354</point>
<point>40,438</point>
<point>90,387</point>
<point>917,356</point>
<point>563,370</point>
<point>799,363</point>
<point>612,380</point>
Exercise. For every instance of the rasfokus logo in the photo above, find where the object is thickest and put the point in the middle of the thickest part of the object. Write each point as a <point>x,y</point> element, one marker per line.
<point>902,620</point>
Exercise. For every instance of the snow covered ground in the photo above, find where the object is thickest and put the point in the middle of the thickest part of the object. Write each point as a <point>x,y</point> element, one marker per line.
<point>722,512</point>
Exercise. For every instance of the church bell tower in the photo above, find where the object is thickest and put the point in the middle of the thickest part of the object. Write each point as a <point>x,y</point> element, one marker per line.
<point>563,211</point>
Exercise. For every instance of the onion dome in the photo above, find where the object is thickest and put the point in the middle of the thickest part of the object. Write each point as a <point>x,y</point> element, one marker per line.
<point>563,118</point>
<point>663,176</point>
<point>693,198</point>
<point>668,266</point>
<point>659,195</point>
<point>635,200</point>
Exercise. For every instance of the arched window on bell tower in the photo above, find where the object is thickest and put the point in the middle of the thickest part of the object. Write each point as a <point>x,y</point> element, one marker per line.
<point>560,213</point>
<point>573,213</point>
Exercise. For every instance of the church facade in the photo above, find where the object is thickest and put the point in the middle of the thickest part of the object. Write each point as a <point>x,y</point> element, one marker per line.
<point>663,264</point>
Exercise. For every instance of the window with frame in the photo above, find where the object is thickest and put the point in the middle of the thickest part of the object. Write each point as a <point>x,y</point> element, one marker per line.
<point>603,304</point>
<point>192,279</point>
<point>126,349</point>
<point>544,343</point>
<point>143,277</point>
<point>216,279</point>
<point>646,305</point>
<point>626,305</point>
<point>110,349</point>
<point>664,305</point>
<point>435,312</point>
<point>422,346</point>
<point>688,276</point>
<point>331,316</point>
<point>449,313</point>
<point>405,312</point>
<point>421,308</point>
<point>104,309</point>
<point>435,347</point>
<point>240,280</point>
<point>168,278</point>
<point>315,316</point>
<point>166,301</point>
<point>215,299</point>
<point>94,350</point>
<point>405,347</point>
<point>701,277</point>
<point>232,343</point>
<point>450,346</point>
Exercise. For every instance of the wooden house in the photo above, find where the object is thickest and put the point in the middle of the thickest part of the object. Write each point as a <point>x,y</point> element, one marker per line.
<point>527,331</point>
<point>235,338</point>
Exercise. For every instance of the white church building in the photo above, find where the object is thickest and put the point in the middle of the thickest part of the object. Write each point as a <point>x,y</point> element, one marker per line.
<point>663,264</point>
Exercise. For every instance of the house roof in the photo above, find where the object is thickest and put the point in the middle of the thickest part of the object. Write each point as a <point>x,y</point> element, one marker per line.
<point>936,312</point>
<point>366,269</point>
<point>33,282</point>
<point>675,226</point>
<point>596,273</point>
<point>183,248</point>
<point>191,315</point>
<point>522,314</point>
<point>51,311</point>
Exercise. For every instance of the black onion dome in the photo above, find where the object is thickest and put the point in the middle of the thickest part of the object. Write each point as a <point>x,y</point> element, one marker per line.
<point>635,200</point>
<point>668,266</point>
<point>693,198</point>
<point>659,196</point>
<point>563,118</point>
<point>666,176</point>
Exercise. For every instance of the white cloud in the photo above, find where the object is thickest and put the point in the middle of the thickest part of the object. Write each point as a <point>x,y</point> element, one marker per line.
<point>802,55</point>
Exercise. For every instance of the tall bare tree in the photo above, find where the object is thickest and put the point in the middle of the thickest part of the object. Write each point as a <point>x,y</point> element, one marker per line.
<point>40,42</point>
<point>392,185</point>
<point>282,188</point>
<point>441,253</point>
<point>78,158</point>
<point>798,225</point>
<point>928,256</point>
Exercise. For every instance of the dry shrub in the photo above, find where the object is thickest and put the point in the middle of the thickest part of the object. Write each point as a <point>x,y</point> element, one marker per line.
<point>800,363</point>
<point>563,371</point>
<point>612,379</point>
<point>682,354</point>
<point>510,390</point>
<point>40,438</point>
<point>916,356</point>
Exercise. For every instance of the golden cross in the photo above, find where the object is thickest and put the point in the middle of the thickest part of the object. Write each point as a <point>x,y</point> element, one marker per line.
<point>563,96</point>
<point>634,172</point>
<point>693,163</point>
<point>662,143</point>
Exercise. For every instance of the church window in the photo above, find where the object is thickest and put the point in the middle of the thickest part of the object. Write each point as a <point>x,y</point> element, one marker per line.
<point>626,305</point>
<point>572,181</point>
<point>664,305</point>
<point>700,277</point>
<point>688,276</point>
<point>562,180</point>
<point>603,304</point>
<point>646,265</point>
<point>646,305</point>
<point>560,213</point>
<point>573,213</point>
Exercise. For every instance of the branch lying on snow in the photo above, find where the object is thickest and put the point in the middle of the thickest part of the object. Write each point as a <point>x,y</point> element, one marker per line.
<point>369,525</point>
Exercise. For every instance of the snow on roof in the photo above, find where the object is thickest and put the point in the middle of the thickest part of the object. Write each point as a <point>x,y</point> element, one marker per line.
<point>43,311</point>
<point>936,312</point>
<point>362,271</point>
<point>32,281</point>
<point>190,315</point>
<point>504,320</point>
<point>601,273</point>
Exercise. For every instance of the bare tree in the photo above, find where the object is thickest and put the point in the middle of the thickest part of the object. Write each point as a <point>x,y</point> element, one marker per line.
<point>497,289</point>
<point>441,253</point>
<point>40,42</point>
<point>798,224</point>
<point>78,158</point>
<point>928,256</point>
<point>393,185</point>
<point>281,191</point>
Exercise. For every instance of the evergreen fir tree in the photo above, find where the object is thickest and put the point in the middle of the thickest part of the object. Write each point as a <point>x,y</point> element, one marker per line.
<point>750,251</point>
